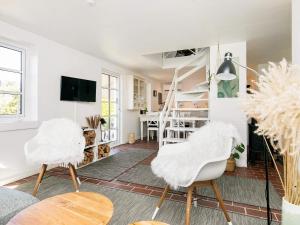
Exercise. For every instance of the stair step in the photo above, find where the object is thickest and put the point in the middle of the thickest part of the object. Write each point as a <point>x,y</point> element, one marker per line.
<point>183,97</point>
<point>194,92</point>
<point>174,140</point>
<point>190,109</point>
<point>191,99</point>
<point>204,83</point>
<point>189,118</point>
<point>191,129</point>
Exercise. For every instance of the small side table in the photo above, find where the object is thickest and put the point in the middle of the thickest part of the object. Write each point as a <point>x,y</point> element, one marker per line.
<point>76,208</point>
<point>148,223</point>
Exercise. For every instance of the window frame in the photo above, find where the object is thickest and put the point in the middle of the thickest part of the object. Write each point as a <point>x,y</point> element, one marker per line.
<point>22,73</point>
<point>118,104</point>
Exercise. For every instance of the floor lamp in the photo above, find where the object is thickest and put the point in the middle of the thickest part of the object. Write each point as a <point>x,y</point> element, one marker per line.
<point>227,72</point>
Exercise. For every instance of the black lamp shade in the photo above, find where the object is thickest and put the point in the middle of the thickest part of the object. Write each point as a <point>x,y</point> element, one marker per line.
<point>227,70</point>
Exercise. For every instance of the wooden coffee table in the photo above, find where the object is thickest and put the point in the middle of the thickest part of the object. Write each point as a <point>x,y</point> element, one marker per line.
<point>76,208</point>
<point>148,223</point>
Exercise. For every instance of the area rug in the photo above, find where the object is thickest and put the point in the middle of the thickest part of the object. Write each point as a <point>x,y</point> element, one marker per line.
<point>130,207</point>
<point>233,188</point>
<point>111,167</point>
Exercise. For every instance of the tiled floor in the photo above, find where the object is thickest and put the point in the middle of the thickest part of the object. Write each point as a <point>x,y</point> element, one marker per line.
<point>252,171</point>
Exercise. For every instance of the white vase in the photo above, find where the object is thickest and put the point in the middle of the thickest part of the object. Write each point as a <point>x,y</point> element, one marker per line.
<point>290,213</point>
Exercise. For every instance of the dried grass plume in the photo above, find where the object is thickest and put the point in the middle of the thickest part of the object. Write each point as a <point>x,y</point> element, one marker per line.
<point>276,106</point>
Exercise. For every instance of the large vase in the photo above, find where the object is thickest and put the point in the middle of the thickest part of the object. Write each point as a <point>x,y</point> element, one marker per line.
<point>290,213</point>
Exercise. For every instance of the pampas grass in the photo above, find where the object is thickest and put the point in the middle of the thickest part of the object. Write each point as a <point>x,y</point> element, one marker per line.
<point>275,104</point>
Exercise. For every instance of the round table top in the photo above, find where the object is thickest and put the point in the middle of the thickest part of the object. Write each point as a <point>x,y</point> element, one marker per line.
<point>148,223</point>
<point>76,208</point>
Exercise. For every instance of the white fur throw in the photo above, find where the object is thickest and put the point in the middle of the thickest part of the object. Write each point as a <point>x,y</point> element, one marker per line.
<point>179,164</point>
<point>58,141</point>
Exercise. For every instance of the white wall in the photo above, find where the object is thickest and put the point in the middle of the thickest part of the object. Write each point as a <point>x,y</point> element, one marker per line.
<point>132,122</point>
<point>154,100</point>
<point>229,109</point>
<point>51,61</point>
<point>296,31</point>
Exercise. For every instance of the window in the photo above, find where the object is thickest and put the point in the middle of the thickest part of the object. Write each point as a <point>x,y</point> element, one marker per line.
<point>110,107</point>
<point>12,67</point>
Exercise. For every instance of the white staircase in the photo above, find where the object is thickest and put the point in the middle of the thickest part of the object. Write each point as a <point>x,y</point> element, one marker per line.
<point>176,122</point>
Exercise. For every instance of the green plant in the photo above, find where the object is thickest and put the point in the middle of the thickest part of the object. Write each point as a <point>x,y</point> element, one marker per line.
<point>237,151</point>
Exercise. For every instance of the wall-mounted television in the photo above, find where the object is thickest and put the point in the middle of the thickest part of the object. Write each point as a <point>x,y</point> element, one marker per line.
<point>74,89</point>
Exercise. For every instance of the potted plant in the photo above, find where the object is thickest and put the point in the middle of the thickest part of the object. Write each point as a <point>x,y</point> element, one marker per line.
<point>276,107</point>
<point>236,152</point>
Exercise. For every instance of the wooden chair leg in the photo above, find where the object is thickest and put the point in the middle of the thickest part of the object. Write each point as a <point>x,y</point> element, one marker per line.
<point>188,205</point>
<point>219,198</point>
<point>195,199</point>
<point>161,200</point>
<point>39,179</point>
<point>73,175</point>
<point>76,175</point>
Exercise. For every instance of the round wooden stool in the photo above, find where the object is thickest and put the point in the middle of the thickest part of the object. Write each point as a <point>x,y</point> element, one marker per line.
<point>148,223</point>
<point>84,208</point>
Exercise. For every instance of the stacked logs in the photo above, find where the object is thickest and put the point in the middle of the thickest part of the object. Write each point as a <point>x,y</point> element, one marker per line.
<point>88,156</point>
<point>89,136</point>
<point>103,150</point>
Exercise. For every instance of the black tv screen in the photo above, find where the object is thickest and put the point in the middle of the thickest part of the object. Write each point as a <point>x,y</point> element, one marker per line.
<point>74,89</point>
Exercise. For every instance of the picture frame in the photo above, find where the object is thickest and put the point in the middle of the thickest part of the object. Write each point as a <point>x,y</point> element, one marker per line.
<point>154,93</point>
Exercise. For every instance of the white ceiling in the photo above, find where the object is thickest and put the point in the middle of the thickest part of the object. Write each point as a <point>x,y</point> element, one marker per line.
<point>124,31</point>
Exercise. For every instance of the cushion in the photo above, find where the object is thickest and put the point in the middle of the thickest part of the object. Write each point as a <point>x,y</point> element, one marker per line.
<point>12,202</point>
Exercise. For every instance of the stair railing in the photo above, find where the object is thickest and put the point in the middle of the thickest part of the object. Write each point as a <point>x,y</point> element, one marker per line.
<point>163,118</point>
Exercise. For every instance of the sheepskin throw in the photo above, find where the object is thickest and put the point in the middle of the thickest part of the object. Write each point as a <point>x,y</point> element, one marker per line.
<point>179,164</point>
<point>57,141</point>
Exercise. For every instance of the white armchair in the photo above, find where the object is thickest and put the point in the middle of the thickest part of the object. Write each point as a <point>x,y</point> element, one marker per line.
<point>196,163</point>
<point>58,141</point>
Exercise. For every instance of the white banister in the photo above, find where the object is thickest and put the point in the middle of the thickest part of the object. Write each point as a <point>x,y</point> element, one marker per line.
<point>164,115</point>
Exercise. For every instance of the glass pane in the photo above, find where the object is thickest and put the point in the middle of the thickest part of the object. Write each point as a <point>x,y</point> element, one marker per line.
<point>114,95</point>
<point>104,109</point>
<point>10,81</point>
<point>105,126</point>
<point>136,87</point>
<point>104,80</point>
<point>142,89</point>
<point>10,59</point>
<point>113,122</point>
<point>104,95</point>
<point>113,109</point>
<point>105,135</point>
<point>113,135</point>
<point>113,82</point>
<point>10,104</point>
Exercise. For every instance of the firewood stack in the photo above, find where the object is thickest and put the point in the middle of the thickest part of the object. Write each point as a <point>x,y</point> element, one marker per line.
<point>88,156</point>
<point>89,136</point>
<point>103,150</point>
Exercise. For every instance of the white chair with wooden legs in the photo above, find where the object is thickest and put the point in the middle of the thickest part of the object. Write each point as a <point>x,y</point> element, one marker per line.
<point>207,176</point>
<point>152,126</point>
<point>59,141</point>
<point>72,171</point>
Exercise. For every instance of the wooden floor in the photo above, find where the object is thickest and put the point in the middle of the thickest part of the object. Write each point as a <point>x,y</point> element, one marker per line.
<point>252,171</point>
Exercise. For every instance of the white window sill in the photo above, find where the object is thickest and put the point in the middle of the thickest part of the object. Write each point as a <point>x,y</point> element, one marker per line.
<point>18,125</point>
